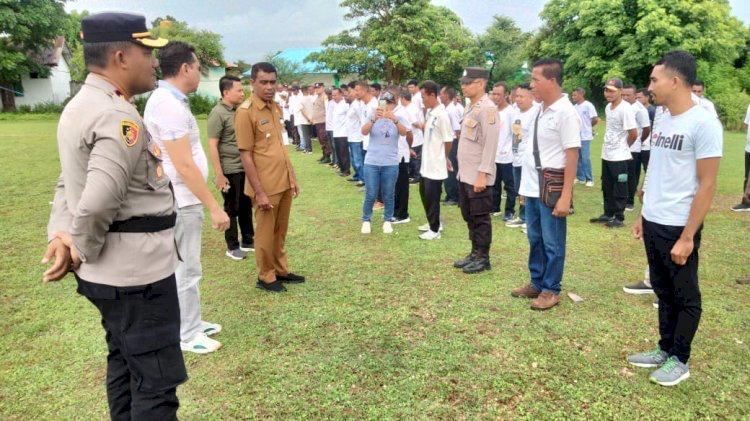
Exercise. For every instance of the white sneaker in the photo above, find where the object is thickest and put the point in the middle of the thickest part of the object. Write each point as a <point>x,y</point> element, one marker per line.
<point>210,329</point>
<point>426,227</point>
<point>200,344</point>
<point>387,228</point>
<point>589,184</point>
<point>366,227</point>
<point>429,235</point>
<point>523,230</point>
<point>514,223</point>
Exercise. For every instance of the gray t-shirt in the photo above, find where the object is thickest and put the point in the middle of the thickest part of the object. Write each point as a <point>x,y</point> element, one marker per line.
<point>383,147</point>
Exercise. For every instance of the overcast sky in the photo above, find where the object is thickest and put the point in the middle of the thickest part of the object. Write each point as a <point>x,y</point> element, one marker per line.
<point>250,29</point>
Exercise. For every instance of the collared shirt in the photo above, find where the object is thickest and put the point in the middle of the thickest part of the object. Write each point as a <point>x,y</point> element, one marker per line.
<point>259,131</point>
<point>221,126</point>
<point>416,115</point>
<point>455,114</point>
<point>351,124</point>
<point>318,112</point>
<point>111,172</point>
<point>477,145</point>
<point>558,129</point>
<point>329,115</point>
<point>437,132</point>
<point>521,128</point>
<point>168,118</point>
<point>505,139</point>
<point>586,111</point>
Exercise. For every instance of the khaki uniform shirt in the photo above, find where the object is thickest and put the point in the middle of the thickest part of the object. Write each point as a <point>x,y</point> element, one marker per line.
<point>477,144</point>
<point>111,171</point>
<point>221,126</point>
<point>259,131</point>
<point>319,110</point>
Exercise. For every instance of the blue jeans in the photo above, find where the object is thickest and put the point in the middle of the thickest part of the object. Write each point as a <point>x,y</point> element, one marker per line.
<point>546,246</point>
<point>583,171</point>
<point>357,156</point>
<point>304,136</point>
<point>380,181</point>
<point>517,185</point>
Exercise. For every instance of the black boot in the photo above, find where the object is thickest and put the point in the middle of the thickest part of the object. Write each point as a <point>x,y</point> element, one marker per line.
<point>465,261</point>
<point>480,263</point>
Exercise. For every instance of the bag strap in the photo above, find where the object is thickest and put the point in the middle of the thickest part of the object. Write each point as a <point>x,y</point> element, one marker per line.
<point>537,159</point>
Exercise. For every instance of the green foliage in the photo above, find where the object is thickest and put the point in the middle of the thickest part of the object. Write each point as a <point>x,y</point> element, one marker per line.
<point>207,44</point>
<point>400,39</point>
<point>723,88</point>
<point>28,27</point>
<point>286,70</point>
<point>506,44</point>
<point>201,104</point>
<point>41,108</point>
<point>71,31</point>
<point>598,39</point>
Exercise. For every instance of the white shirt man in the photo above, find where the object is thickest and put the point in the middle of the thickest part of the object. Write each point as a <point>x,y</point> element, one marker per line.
<point>558,129</point>
<point>416,116</point>
<point>353,121</point>
<point>504,153</point>
<point>642,121</point>
<point>438,135</point>
<point>339,118</point>
<point>455,114</point>
<point>329,116</point>
<point>416,100</point>
<point>525,119</point>
<point>366,113</point>
<point>586,111</point>
<point>295,108</point>
<point>619,121</point>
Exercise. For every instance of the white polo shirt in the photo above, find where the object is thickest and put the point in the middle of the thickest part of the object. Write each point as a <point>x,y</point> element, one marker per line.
<point>456,115</point>
<point>415,116</point>
<point>559,128</point>
<point>505,139</point>
<point>437,132</point>
<point>353,119</point>
<point>338,118</point>
<point>167,117</point>
<point>619,121</point>
<point>329,115</point>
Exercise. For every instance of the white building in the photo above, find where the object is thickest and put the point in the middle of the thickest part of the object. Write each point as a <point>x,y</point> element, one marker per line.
<point>55,88</point>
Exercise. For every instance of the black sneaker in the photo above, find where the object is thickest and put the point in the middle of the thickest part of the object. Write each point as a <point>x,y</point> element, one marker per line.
<point>601,219</point>
<point>290,278</point>
<point>247,247</point>
<point>742,207</point>
<point>450,203</point>
<point>275,286</point>
<point>638,289</point>
<point>477,265</point>
<point>458,264</point>
<point>629,207</point>
<point>614,223</point>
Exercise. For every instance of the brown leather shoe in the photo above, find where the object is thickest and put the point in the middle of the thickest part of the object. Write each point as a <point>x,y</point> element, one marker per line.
<point>526,291</point>
<point>545,301</point>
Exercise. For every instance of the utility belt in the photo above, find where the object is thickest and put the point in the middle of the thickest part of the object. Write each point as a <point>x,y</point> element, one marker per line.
<point>144,224</point>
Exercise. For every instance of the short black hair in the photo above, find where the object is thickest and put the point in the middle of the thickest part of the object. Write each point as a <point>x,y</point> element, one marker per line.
<point>551,69</point>
<point>403,93</point>
<point>226,83</point>
<point>580,90</point>
<point>412,82</point>
<point>525,86</point>
<point>353,84</point>
<point>174,55</point>
<point>96,54</point>
<point>682,63</point>
<point>630,86</point>
<point>645,92</point>
<point>450,91</point>
<point>430,87</point>
<point>265,67</point>
<point>334,89</point>
<point>503,84</point>
<point>376,86</point>
<point>698,82</point>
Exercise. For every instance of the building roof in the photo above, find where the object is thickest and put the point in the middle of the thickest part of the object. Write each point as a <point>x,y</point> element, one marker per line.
<point>297,56</point>
<point>52,55</point>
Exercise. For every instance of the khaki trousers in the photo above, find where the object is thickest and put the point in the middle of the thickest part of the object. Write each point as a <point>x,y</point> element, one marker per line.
<point>270,235</point>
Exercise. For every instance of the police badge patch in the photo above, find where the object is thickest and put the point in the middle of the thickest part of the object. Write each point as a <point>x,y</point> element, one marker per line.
<point>129,131</point>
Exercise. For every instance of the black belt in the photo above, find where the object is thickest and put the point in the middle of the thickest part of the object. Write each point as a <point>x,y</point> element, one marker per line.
<point>144,224</point>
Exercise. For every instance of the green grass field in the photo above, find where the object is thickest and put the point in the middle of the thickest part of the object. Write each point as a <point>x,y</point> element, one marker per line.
<point>385,327</point>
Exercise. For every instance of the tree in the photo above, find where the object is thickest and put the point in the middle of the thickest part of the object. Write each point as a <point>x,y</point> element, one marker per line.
<point>71,31</point>
<point>400,39</point>
<point>286,71</point>
<point>505,43</point>
<point>26,28</point>
<point>207,44</point>
<point>598,39</point>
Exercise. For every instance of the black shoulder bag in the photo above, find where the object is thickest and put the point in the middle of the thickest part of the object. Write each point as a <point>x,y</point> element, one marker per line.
<point>551,180</point>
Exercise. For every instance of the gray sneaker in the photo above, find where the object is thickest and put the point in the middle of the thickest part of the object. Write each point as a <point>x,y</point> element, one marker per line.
<point>671,373</point>
<point>653,358</point>
<point>236,254</point>
<point>638,289</point>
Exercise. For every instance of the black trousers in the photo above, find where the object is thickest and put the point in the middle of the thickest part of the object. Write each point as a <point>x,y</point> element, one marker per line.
<point>401,210</point>
<point>342,150</point>
<point>239,207</point>
<point>645,156</point>
<point>615,188</point>
<point>144,364</point>
<point>332,144</point>
<point>429,192</point>
<point>634,175</point>
<point>292,131</point>
<point>475,209</point>
<point>415,163</point>
<point>675,286</point>
<point>504,179</point>
<point>451,183</point>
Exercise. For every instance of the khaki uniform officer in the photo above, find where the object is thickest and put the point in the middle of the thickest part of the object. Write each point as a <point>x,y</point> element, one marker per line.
<point>271,182</point>
<point>114,212</point>
<point>477,146</point>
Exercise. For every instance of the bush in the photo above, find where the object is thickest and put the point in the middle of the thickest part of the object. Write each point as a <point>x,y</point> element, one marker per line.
<point>201,104</point>
<point>41,108</point>
<point>724,86</point>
